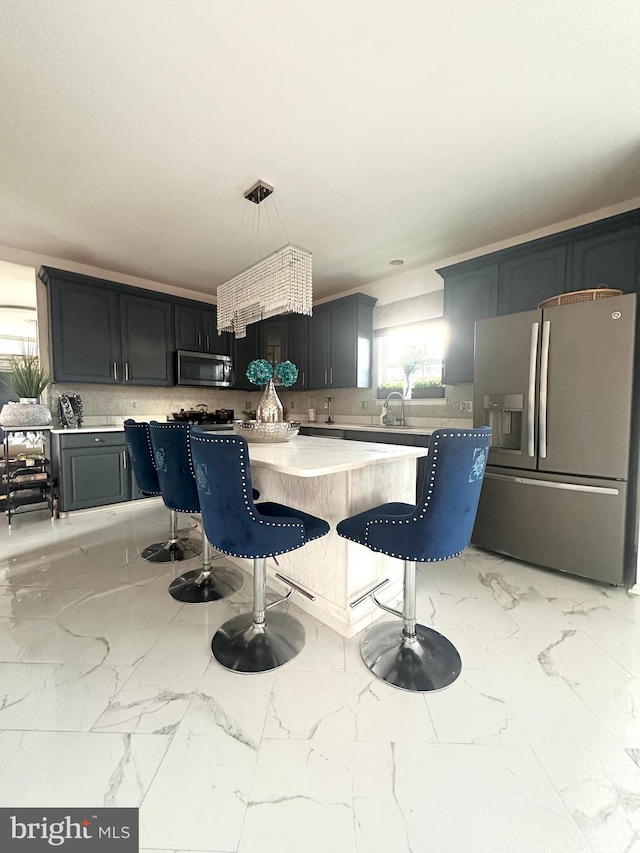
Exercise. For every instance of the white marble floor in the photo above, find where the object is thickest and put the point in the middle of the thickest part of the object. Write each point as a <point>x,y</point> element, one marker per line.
<point>109,696</point>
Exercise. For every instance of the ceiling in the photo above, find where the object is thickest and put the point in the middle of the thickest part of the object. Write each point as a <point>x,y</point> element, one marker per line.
<point>416,130</point>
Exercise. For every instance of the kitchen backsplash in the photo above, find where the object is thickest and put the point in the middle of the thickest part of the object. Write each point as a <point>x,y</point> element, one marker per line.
<point>129,400</point>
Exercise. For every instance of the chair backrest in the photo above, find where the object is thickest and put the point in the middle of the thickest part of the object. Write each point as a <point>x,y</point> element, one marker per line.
<point>441,525</point>
<point>231,520</point>
<point>138,440</point>
<point>172,455</point>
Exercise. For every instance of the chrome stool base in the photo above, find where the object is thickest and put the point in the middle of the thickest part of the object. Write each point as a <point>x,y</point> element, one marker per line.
<point>243,645</point>
<point>424,663</point>
<point>173,551</point>
<point>199,586</point>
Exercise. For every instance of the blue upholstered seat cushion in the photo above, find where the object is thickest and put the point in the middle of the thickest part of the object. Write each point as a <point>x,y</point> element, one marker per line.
<point>439,526</point>
<point>138,440</point>
<point>234,524</point>
<point>314,527</point>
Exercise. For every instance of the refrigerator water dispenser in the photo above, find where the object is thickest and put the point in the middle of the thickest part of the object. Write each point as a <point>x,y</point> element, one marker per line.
<point>503,413</point>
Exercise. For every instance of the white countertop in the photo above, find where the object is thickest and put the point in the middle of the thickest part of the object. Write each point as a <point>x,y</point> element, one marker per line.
<point>337,426</point>
<point>310,456</point>
<point>96,428</point>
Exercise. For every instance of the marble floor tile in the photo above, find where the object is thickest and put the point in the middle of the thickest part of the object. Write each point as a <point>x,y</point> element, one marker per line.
<point>42,641</point>
<point>493,709</point>
<point>450,798</point>
<point>109,695</point>
<point>69,769</point>
<point>199,795</point>
<point>616,704</point>
<point>158,693</point>
<point>301,799</point>
<point>600,785</point>
<point>57,697</point>
<point>344,706</point>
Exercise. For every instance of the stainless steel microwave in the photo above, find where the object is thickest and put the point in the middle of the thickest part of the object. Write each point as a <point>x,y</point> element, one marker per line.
<point>201,368</point>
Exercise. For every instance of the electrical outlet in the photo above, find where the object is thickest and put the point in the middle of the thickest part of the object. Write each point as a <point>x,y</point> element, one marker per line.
<point>364,404</point>
<point>325,404</point>
<point>465,406</point>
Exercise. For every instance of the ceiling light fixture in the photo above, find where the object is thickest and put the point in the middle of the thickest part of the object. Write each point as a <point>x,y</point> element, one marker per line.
<point>396,262</point>
<point>279,283</point>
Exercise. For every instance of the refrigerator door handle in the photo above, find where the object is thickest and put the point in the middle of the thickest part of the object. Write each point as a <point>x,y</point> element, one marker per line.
<point>544,384</point>
<point>531,393</point>
<point>552,484</point>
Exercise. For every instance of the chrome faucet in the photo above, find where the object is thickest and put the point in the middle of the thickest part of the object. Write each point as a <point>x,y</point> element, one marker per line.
<point>386,405</point>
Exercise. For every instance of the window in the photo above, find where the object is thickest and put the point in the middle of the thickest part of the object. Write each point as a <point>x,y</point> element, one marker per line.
<point>417,349</point>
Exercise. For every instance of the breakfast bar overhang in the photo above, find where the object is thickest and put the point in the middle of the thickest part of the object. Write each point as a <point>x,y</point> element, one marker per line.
<point>334,479</point>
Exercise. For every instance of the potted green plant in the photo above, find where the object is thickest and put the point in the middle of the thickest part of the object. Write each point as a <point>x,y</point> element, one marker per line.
<point>414,358</point>
<point>427,388</point>
<point>27,379</point>
<point>385,388</point>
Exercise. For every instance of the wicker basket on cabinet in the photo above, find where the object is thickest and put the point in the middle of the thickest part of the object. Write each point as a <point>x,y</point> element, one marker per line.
<point>588,295</point>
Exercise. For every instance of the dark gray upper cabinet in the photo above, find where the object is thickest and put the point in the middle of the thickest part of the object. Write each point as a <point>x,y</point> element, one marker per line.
<point>274,339</point>
<point>610,258</point>
<point>468,296</point>
<point>189,332</point>
<point>527,280</point>
<point>84,324</point>
<point>197,329</point>
<point>519,278</point>
<point>298,348</point>
<point>340,350</point>
<point>319,349</point>
<point>245,350</point>
<point>107,333</point>
<point>147,340</point>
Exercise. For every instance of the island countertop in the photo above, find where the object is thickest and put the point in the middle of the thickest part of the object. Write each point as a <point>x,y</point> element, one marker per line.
<point>308,456</point>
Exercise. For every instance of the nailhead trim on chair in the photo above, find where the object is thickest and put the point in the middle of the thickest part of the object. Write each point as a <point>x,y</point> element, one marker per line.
<point>425,507</point>
<point>248,506</point>
<point>145,426</point>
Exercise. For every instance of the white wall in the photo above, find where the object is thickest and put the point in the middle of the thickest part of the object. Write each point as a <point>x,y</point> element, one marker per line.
<point>425,279</point>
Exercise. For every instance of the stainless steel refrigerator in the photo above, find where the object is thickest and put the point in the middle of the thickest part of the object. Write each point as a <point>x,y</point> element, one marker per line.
<point>556,386</point>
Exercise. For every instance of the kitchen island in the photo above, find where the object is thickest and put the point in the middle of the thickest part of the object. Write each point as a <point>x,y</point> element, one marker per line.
<point>334,479</point>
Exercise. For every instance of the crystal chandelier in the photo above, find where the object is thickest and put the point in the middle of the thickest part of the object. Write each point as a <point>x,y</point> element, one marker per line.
<point>280,283</point>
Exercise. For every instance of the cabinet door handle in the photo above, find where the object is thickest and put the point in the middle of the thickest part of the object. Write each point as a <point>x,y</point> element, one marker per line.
<point>125,463</point>
<point>115,370</point>
<point>303,378</point>
<point>208,347</point>
<point>126,371</point>
<point>199,341</point>
<point>99,440</point>
<point>331,377</point>
<point>325,376</point>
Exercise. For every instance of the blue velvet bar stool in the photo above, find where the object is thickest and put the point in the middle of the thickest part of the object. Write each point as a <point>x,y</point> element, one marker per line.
<point>437,528</point>
<point>172,455</point>
<point>138,440</point>
<point>237,526</point>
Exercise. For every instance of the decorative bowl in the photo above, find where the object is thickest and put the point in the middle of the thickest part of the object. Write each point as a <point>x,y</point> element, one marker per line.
<point>265,431</point>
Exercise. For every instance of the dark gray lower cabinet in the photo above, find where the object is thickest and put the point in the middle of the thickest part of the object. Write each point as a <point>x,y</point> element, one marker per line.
<point>92,469</point>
